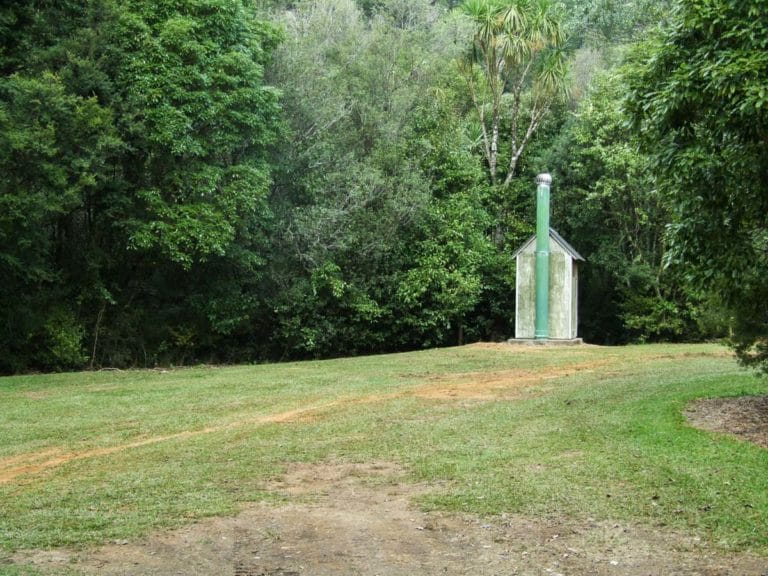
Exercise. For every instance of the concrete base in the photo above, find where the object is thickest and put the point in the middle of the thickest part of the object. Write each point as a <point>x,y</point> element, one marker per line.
<point>549,342</point>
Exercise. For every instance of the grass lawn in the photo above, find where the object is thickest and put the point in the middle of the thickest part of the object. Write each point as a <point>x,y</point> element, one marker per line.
<point>587,432</point>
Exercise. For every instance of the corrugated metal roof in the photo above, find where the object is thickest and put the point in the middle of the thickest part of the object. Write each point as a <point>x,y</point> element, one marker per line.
<point>570,250</point>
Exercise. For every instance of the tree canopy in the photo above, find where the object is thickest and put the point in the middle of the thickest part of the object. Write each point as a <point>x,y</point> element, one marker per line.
<point>227,181</point>
<point>133,143</point>
<point>518,48</point>
<point>701,106</point>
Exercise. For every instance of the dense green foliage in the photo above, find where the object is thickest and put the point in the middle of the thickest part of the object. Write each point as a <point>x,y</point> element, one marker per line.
<point>220,180</point>
<point>134,145</point>
<point>612,210</point>
<point>381,231</point>
<point>701,104</point>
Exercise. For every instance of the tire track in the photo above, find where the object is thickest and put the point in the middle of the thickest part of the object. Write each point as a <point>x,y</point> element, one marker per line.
<point>481,386</point>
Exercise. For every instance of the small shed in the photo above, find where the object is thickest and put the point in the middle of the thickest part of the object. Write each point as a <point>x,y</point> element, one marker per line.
<point>563,289</point>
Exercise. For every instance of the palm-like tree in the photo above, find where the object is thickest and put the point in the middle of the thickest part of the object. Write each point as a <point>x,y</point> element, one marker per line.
<point>516,71</point>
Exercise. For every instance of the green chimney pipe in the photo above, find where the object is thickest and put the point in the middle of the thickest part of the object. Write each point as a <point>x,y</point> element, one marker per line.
<point>541,331</point>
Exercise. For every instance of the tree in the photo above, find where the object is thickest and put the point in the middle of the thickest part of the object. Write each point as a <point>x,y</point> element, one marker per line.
<point>609,207</point>
<point>133,143</point>
<point>190,202</point>
<point>358,266</point>
<point>445,283</point>
<point>516,71</point>
<point>53,151</point>
<point>55,147</point>
<point>701,107</point>
<point>602,24</point>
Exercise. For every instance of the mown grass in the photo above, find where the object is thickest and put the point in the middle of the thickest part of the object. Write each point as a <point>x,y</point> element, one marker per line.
<point>608,442</point>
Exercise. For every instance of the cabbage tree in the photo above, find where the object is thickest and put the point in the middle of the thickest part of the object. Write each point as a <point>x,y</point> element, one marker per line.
<point>516,71</point>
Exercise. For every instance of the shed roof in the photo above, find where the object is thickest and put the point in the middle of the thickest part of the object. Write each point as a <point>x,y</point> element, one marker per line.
<point>570,250</point>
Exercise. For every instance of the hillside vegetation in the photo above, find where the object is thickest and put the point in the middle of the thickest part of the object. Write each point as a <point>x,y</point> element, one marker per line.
<point>231,181</point>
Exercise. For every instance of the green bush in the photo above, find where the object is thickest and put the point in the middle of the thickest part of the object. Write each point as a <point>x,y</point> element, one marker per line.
<point>63,342</point>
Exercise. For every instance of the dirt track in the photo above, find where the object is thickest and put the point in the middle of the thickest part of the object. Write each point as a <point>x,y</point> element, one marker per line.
<point>345,519</point>
<point>468,386</point>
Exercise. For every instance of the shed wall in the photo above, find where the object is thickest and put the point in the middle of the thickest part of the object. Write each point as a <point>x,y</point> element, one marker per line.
<point>525,288</point>
<point>563,294</point>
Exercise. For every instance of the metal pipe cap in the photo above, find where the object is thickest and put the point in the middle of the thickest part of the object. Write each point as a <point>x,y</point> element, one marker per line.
<point>544,179</point>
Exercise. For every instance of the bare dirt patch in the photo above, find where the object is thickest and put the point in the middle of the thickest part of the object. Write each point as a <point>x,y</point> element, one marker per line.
<point>525,347</point>
<point>36,462</point>
<point>359,519</point>
<point>501,385</point>
<point>745,417</point>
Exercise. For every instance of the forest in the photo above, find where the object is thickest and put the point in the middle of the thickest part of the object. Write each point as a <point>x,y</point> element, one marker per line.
<point>227,181</point>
